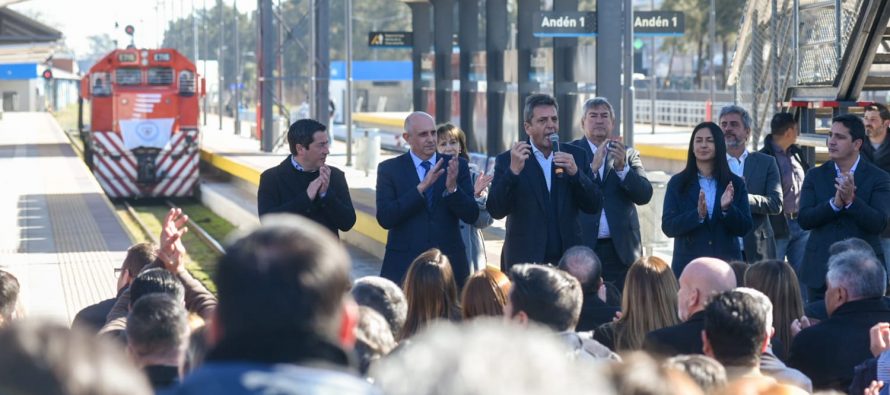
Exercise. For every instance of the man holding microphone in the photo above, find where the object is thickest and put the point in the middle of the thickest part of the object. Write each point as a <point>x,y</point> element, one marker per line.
<point>539,186</point>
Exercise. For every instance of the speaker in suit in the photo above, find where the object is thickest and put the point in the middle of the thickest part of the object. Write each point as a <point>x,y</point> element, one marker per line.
<point>421,199</point>
<point>541,207</point>
<point>695,213</point>
<point>622,189</point>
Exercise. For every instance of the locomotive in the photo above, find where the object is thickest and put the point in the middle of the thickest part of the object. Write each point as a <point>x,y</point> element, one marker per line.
<point>142,138</point>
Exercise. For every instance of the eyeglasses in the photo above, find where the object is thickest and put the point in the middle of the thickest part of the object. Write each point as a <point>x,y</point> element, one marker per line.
<point>117,271</point>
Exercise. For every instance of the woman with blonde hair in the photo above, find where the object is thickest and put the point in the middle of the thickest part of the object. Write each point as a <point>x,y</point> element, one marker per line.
<point>430,291</point>
<point>777,280</point>
<point>452,141</point>
<point>485,293</point>
<point>649,303</point>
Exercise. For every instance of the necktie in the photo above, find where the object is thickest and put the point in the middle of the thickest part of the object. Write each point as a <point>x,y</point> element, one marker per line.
<point>428,194</point>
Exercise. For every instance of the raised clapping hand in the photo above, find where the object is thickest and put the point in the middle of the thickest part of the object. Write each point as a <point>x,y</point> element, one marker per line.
<point>482,183</point>
<point>618,153</point>
<point>800,324</point>
<point>431,177</point>
<point>726,198</point>
<point>320,184</point>
<point>879,338</point>
<point>518,154</point>
<point>566,161</point>
<point>598,157</point>
<point>324,173</point>
<point>702,206</point>
<point>171,250</point>
<point>451,175</point>
<point>845,190</point>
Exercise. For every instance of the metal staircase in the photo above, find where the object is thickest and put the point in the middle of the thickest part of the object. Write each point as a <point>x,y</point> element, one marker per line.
<point>839,49</point>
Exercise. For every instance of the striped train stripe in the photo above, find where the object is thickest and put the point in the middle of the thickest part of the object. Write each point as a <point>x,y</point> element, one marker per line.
<point>184,178</point>
<point>176,169</point>
<point>114,175</point>
<point>164,161</point>
<point>125,161</point>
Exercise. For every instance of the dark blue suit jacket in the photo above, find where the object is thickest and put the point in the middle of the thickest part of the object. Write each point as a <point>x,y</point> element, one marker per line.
<point>716,237</point>
<point>413,228</point>
<point>522,199</point>
<point>620,200</point>
<point>865,219</point>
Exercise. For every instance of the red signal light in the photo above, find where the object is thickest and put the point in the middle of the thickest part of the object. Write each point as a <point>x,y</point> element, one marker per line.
<point>130,29</point>
<point>47,74</point>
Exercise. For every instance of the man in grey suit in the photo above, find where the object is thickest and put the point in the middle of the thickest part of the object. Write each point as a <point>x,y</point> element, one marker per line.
<point>613,232</point>
<point>761,175</point>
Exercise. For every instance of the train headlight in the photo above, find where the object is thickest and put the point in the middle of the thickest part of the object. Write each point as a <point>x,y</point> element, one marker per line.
<point>186,83</point>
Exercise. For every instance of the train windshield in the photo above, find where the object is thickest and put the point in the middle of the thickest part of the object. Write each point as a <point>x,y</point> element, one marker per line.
<point>160,76</point>
<point>128,76</point>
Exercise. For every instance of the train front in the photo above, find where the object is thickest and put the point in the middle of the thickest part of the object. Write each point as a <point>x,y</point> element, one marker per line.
<point>143,134</point>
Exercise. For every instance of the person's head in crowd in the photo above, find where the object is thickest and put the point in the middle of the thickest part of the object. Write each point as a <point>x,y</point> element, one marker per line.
<point>783,129</point>
<point>846,137</point>
<point>385,297</point>
<point>156,280</point>
<point>877,120</point>
<point>544,295</point>
<point>701,279</point>
<point>9,297</point>
<point>373,338</point>
<point>420,134</point>
<point>766,386</point>
<point>707,149</point>
<point>308,143</point>
<point>852,276</point>
<point>739,268</point>
<point>431,292</point>
<point>778,281</point>
<point>736,124</point>
<point>649,302</point>
<point>280,287</point>
<point>451,141</point>
<point>158,333</point>
<point>196,351</point>
<point>598,120</point>
<point>640,374</point>
<point>541,115</point>
<point>40,358</point>
<point>138,257</point>
<point>705,371</point>
<point>738,326</point>
<point>485,294</point>
<point>582,263</point>
<point>449,359</point>
<point>851,244</point>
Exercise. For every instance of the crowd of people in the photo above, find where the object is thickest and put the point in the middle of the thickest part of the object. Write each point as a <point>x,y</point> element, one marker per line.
<point>573,307</point>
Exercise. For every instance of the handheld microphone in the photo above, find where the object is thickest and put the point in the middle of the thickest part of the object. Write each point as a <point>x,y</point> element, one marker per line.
<point>554,145</point>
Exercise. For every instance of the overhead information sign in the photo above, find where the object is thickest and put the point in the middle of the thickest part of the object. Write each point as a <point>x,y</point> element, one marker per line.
<point>390,39</point>
<point>564,24</point>
<point>659,23</point>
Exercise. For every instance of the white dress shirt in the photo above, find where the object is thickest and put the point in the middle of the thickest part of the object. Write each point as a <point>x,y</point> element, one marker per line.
<point>546,163</point>
<point>421,172</point>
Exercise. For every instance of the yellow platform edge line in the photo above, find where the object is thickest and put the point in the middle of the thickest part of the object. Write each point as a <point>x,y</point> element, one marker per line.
<point>655,151</point>
<point>377,120</point>
<point>365,223</point>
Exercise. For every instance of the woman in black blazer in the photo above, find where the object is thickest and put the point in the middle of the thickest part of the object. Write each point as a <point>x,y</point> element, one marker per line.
<point>706,206</point>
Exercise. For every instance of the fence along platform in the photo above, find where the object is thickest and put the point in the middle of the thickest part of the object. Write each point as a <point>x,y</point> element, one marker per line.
<point>58,233</point>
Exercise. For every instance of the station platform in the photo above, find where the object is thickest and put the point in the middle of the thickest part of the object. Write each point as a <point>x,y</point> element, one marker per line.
<point>61,237</point>
<point>239,156</point>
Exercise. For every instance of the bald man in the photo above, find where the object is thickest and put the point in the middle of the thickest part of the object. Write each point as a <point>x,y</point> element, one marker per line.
<point>421,197</point>
<point>701,279</point>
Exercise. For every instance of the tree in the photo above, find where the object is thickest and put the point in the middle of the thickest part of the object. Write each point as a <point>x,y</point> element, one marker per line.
<point>100,45</point>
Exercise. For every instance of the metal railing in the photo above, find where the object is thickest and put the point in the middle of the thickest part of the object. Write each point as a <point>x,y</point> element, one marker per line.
<point>674,112</point>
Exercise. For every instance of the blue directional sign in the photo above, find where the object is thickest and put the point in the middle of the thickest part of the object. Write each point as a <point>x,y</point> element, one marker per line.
<point>564,24</point>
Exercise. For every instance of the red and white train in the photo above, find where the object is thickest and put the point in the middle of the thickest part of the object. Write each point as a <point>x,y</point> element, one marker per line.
<point>142,138</point>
